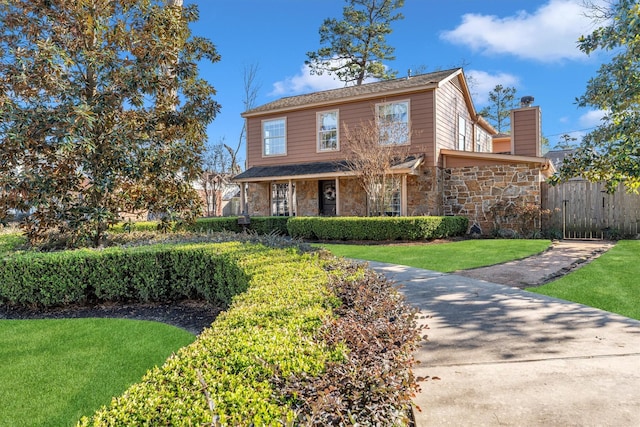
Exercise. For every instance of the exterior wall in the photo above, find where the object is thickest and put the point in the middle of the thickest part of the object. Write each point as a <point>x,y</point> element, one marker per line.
<point>424,193</point>
<point>502,145</point>
<point>307,198</point>
<point>301,129</point>
<point>353,199</point>
<point>450,104</point>
<point>525,131</point>
<point>472,191</point>
<point>258,199</point>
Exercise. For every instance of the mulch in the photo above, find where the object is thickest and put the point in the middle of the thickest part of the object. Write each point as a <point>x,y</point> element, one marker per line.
<point>193,316</point>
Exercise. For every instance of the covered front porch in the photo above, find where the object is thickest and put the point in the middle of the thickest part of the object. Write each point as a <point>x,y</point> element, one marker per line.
<point>318,189</point>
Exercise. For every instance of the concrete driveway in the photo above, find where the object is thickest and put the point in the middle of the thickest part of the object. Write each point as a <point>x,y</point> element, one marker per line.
<point>500,356</point>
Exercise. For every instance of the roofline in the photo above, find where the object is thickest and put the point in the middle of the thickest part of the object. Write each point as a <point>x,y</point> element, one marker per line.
<point>548,169</point>
<point>397,171</point>
<point>392,92</point>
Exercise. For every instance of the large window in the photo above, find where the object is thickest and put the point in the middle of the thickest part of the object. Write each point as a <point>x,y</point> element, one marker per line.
<point>280,203</point>
<point>328,131</point>
<point>462,133</point>
<point>274,137</point>
<point>389,201</point>
<point>393,122</point>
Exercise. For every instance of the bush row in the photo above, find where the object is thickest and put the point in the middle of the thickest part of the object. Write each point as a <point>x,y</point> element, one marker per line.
<point>258,224</point>
<point>377,228</point>
<point>145,273</point>
<point>269,359</point>
<point>327,228</point>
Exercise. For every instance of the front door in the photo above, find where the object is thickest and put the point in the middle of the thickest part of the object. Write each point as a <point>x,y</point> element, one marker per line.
<point>327,190</point>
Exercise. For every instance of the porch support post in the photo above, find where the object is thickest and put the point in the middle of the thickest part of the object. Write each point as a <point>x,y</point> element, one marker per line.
<point>403,197</point>
<point>290,197</point>
<point>337,196</point>
<point>243,207</point>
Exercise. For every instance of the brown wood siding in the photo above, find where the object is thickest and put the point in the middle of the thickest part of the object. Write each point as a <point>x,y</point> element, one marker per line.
<point>525,130</point>
<point>302,136</point>
<point>450,104</point>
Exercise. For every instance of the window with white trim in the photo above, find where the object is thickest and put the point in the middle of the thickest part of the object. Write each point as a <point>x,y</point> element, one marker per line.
<point>328,130</point>
<point>280,202</point>
<point>462,133</point>
<point>274,137</point>
<point>393,122</point>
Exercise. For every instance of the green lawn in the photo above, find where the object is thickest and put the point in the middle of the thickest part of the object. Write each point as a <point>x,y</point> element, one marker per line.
<point>9,240</point>
<point>444,257</point>
<point>55,371</point>
<point>611,282</point>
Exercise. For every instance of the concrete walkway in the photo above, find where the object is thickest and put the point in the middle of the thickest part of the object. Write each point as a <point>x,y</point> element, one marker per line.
<point>500,356</point>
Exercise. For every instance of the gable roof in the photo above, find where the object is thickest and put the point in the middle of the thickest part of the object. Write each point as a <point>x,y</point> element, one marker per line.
<point>369,90</point>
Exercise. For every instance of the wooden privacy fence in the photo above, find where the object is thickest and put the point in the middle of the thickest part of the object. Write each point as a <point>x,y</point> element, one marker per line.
<point>584,210</point>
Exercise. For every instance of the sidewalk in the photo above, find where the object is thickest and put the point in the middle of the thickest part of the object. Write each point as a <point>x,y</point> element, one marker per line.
<point>500,356</point>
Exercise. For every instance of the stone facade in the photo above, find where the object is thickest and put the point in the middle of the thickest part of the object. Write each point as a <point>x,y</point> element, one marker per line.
<point>473,191</point>
<point>307,198</point>
<point>353,199</point>
<point>424,192</point>
<point>258,199</point>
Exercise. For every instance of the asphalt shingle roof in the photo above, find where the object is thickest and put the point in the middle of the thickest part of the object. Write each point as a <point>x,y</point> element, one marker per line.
<point>373,89</point>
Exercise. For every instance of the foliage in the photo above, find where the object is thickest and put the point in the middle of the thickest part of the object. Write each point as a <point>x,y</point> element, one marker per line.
<point>611,152</point>
<point>68,368</point>
<point>445,257</point>
<point>498,113</point>
<point>379,330</point>
<point>258,224</point>
<point>356,47</point>
<point>609,282</point>
<point>517,220</point>
<point>102,112</point>
<point>372,161</point>
<point>377,228</point>
<point>153,273</point>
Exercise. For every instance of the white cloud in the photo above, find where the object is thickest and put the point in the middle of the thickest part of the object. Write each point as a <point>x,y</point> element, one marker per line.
<point>548,34</point>
<point>481,83</point>
<point>305,82</point>
<point>592,118</point>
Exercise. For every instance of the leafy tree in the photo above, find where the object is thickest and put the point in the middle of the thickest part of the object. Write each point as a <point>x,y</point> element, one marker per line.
<point>611,152</point>
<point>103,112</point>
<point>499,112</point>
<point>356,46</point>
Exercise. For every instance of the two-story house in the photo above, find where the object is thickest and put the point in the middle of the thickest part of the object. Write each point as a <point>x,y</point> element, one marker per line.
<point>295,156</point>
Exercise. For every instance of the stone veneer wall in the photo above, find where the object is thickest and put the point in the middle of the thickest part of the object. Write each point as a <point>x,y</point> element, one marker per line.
<point>472,191</point>
<point>307,198</point>
<point>258,196</point>
<point>424,192</point>
<point>353,199</point>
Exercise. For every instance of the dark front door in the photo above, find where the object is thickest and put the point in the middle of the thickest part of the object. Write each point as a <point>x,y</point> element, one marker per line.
<point>327,190</point>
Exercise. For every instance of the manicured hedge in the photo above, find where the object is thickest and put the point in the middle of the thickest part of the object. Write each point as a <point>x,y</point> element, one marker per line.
<point>147,273</point>
<point>377,228</point>
<point>258,224</point>
<point>306,341</point>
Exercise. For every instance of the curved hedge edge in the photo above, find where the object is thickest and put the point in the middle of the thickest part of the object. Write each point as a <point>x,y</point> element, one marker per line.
<point>225,375</point>
<point>377,228</point>
<point>258,224</point>
<point>276,348</point>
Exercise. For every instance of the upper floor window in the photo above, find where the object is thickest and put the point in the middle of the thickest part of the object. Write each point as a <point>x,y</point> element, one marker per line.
<point>462,133</point>
<point>274,137</point>
<point>393,122</point>
<point>327,131</point>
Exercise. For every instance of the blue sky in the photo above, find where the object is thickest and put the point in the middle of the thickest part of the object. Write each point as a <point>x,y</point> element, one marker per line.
<point>530,45</point>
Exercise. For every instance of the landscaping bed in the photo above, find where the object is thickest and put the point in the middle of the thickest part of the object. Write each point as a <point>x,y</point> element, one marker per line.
<point>295,323</point>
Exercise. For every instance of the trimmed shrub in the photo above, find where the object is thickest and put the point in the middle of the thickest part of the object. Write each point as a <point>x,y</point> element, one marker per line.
<point>258,224</point>
<point>145,273</point>
<point>377,228</point>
